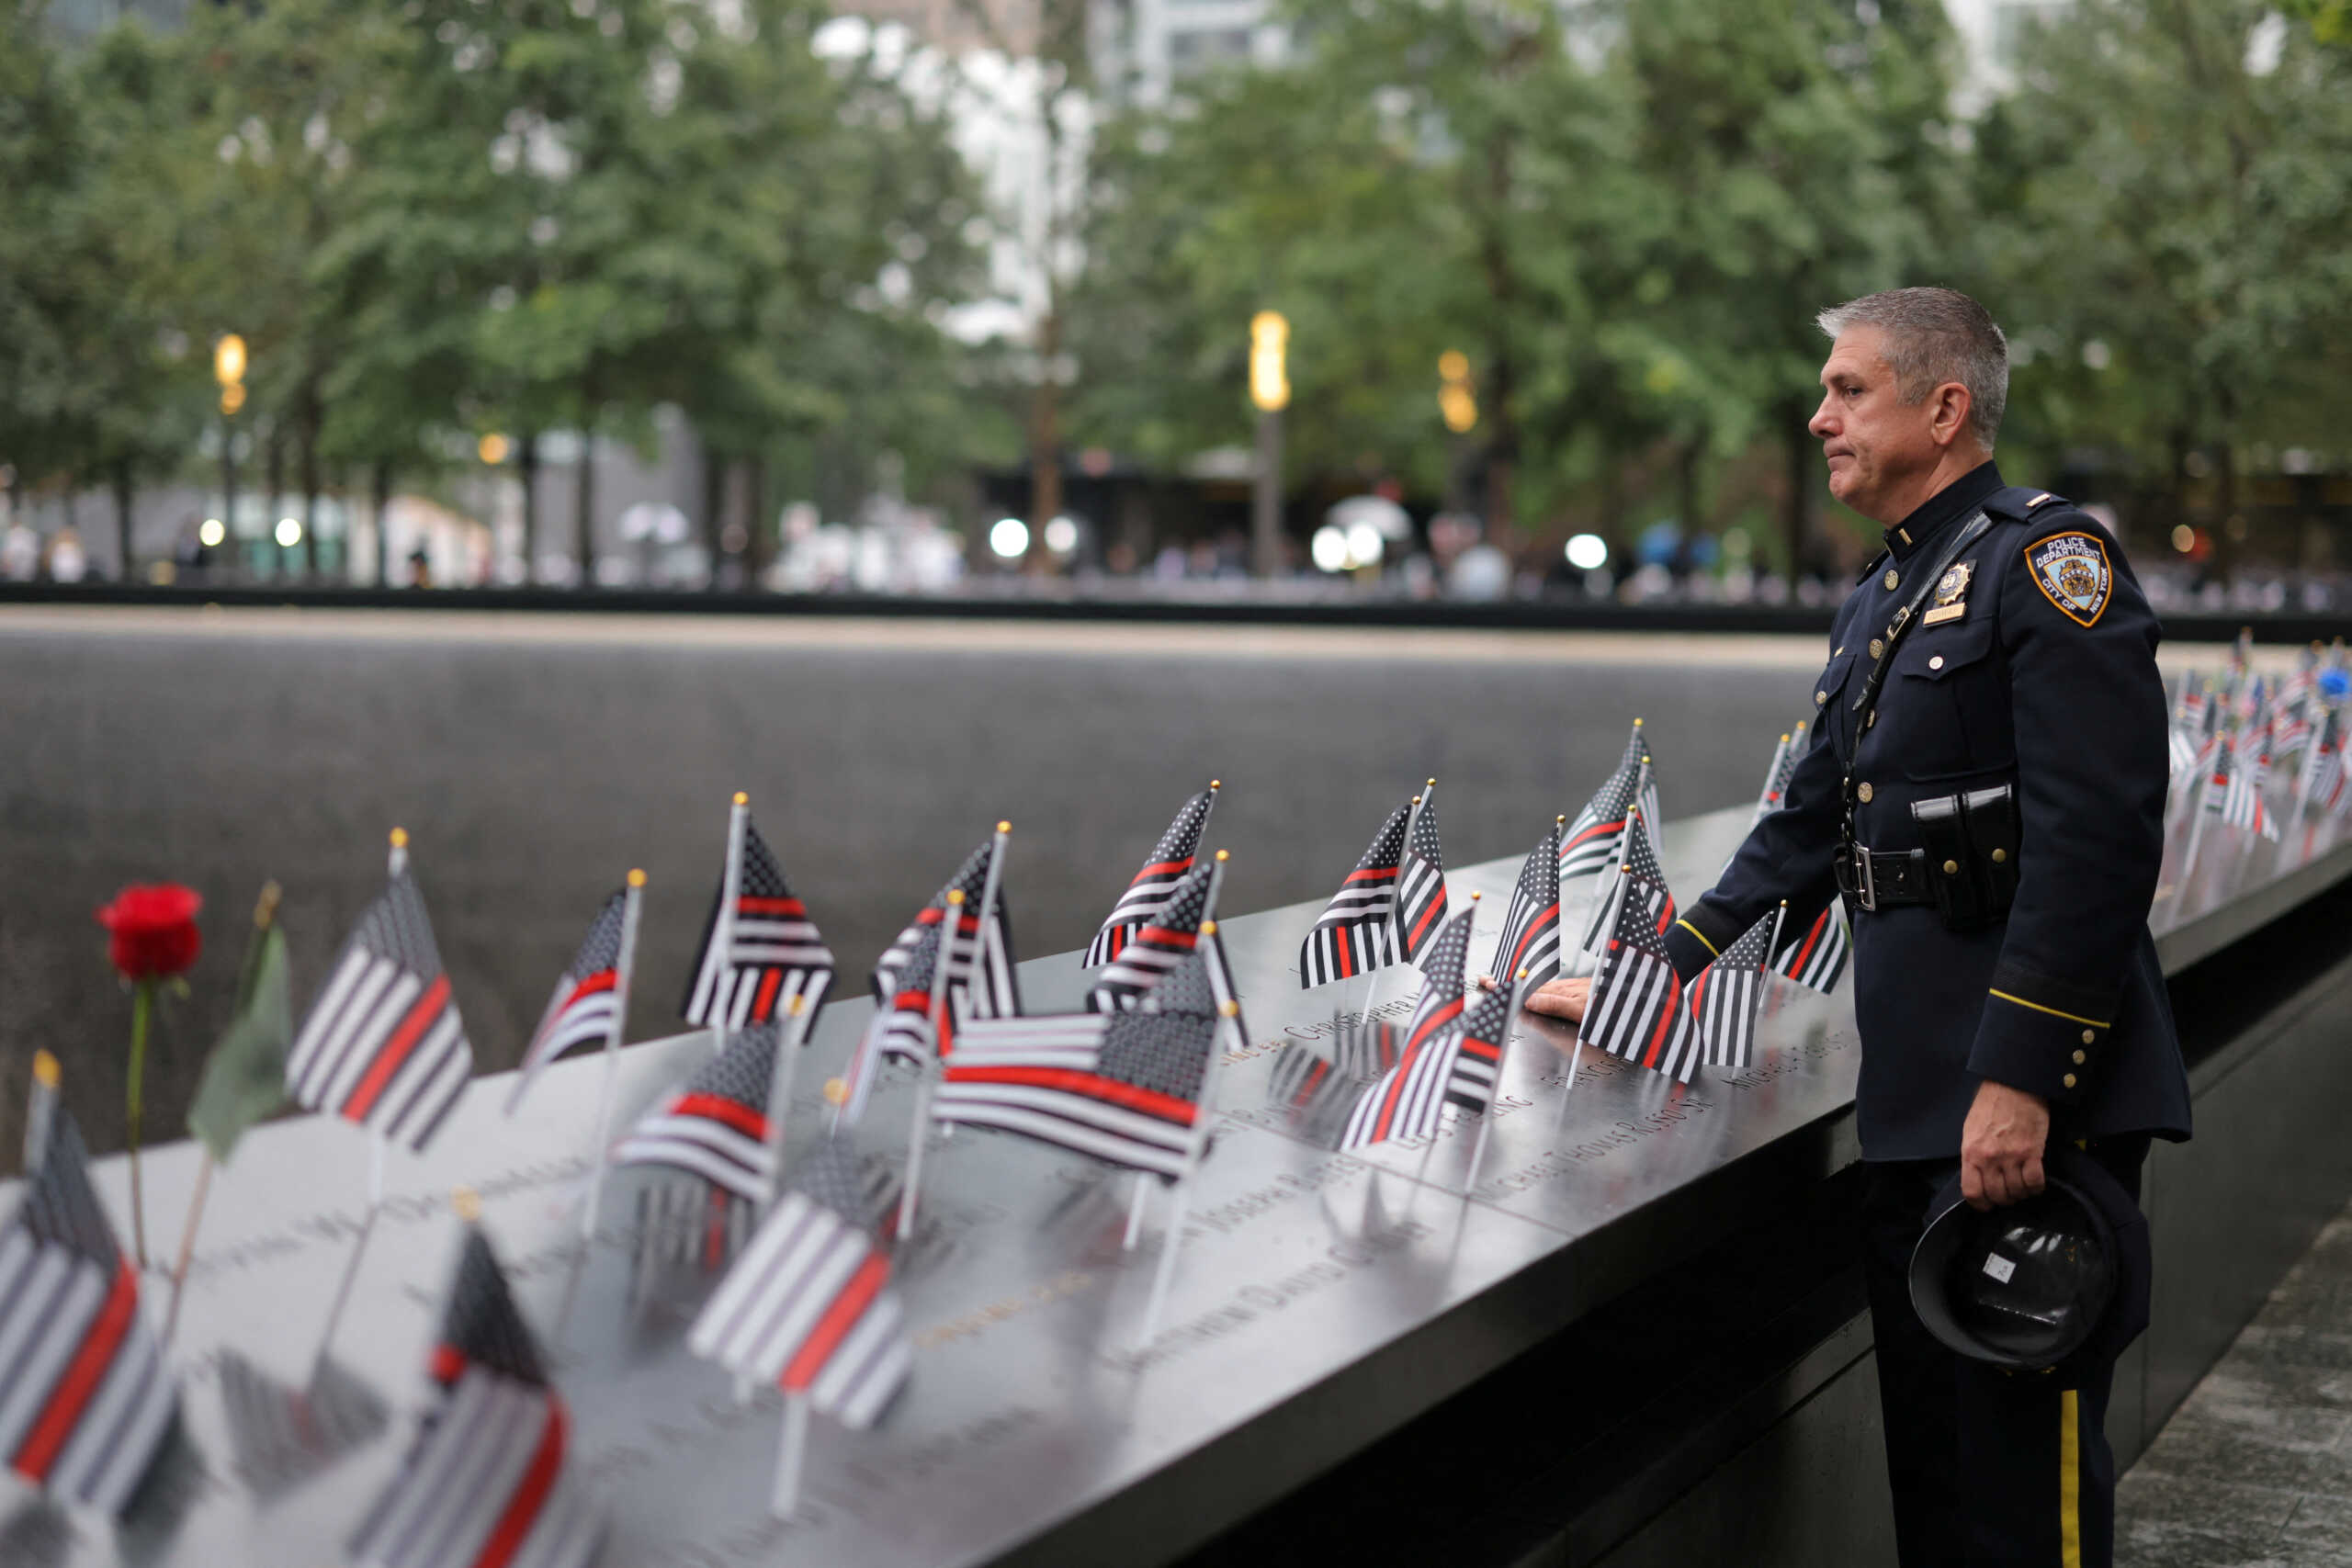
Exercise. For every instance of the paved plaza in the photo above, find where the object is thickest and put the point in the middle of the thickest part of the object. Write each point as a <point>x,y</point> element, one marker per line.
<point>2255,1470</point>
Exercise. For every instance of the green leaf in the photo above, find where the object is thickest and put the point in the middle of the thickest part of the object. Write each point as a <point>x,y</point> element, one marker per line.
<point>244,1079</point>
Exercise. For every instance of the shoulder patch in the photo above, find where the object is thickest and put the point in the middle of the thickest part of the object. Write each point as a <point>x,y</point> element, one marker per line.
<point>2073,573</point>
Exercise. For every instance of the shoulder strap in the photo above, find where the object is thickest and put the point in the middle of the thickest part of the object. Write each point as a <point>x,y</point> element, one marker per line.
<point>2018,504</point>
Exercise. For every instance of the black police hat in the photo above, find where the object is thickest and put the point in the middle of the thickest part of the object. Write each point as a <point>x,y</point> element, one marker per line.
<point>2057,1277</point>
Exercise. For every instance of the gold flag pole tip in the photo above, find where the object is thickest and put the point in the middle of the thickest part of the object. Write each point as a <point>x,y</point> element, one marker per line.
<point>1231,1010</point>
<point>796,1005</point>
<point>1004,826</point>
<point>635,878</point>
<point>954,895</point>
<point>837,1091</point>
<point>1219,784</point>
<point>743,799</point>
<point>45,1070</point>
<point>466,1203</point>
<point>399,838</point>
<point>1208,927</point>
<point>1225,854</point>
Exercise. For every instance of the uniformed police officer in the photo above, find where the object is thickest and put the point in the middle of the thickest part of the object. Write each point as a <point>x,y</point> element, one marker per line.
<point>1985,789</point>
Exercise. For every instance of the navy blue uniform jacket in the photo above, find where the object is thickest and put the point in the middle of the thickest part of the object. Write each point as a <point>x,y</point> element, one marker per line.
<point>2046,681</point>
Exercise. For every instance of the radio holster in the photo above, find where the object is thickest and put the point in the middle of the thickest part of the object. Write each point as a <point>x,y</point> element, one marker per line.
<point>1970,844</point>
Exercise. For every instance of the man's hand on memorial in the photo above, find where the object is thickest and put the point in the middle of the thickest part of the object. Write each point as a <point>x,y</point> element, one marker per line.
<point>2000,1147</point>
<point>1560,999</point>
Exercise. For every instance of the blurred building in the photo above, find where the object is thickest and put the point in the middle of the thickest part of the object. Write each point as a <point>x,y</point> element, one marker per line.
<point>957,26</point>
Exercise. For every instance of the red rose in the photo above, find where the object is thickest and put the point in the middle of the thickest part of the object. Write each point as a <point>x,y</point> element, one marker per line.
<point>154,930</point>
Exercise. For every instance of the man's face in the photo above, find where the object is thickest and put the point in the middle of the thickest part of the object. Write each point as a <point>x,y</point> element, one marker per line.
<point>1876,446</point>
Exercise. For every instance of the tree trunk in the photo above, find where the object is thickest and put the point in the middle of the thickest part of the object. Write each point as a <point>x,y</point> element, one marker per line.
<point>758,547</point>
<point>273,483</point>
<point>526,468</point>
<point>1796,508</point>
<point>1502,295</point>
<point>125,494</point>
<point>1686,485</point>
<point>583,511</point>
<point>1046,429</point>
<point>713,509</point>
<point>309,462</point>
<point>379,501</point>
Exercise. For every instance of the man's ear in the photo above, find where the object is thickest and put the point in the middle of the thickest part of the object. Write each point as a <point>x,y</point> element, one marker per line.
<point>1948,417</point>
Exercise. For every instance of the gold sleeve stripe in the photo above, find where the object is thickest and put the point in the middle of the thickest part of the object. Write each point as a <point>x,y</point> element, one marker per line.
<point>1694,931</point>
<point>2069,1017</point>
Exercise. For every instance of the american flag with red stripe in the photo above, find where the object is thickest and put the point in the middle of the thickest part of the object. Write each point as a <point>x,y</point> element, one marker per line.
<point>1156,884</point>
<point>1158,946</point>
<point>982,976</point>
<point>716,1126</point>
<point>808,1306</point>
<point>1409,1098</point>
<point>1640,859</point>
<point>2235,788</point>
<point>1723,1000</point>
<point>85,1400</point>
<point>586,1003</point>
<point>1815,955</point>
<point>1421,887</point>
<point>900,1028</point>
<point>2327,786</point>
<point>1531,939</point>
<point>486,1484</point>
<point>384,1045</point>
<point>1475,1061</point>
<point>1122,1088</point>
<point>760,954</point>
<point>1635,1010</point>
<point>1590,842</point>
<point>1356,933</point>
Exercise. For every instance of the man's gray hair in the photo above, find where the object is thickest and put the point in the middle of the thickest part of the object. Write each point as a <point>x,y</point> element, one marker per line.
<point>1935,335</point>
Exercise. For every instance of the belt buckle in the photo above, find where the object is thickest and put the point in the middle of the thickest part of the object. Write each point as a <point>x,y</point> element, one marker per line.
<point>1865,880</point>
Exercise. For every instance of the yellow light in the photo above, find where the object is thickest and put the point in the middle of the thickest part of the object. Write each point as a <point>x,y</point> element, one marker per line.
<point>493,448</point>
<point>211,534</point>
<point>289,532</point>
<point>232,397</point>
<point>1460,409</point>
<point>1453,366</point>
<point>1269,376</point>
<point>229,360</point>
<point>2184,538</point>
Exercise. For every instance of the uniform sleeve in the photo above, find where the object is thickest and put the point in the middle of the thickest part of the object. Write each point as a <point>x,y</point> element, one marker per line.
<point>2088,708</point>
<point>1787,856</point>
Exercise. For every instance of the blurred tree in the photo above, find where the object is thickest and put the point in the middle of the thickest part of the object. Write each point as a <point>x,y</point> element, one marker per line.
<point>2167,188</point>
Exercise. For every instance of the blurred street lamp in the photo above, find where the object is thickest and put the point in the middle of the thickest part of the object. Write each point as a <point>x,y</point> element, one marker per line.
<point>229,370</point>
<point>1455,400</point>
<point>1009,538</point>
<point>492,448</point>
<point>1061,536</point>
<point>1587,552</point>
<point>211,534</point>
<point>289,532</point>
<point>1270,389</point>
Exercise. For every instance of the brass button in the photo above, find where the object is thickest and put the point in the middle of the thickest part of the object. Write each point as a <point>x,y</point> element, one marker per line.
<point>1893,582</point>
<point>1937,663</point>
<point>2069,1080</point>
<point>2000,856</point>
<point>1819,698</point>
<point>2090,1037</point>
<point>1863,795</point>
<point>2080,1058</point>
<point>1878,649</point>
<point>1951,868</point>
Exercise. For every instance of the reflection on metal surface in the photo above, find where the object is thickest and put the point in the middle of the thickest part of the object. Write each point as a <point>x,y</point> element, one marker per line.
<point>1036,1422</point>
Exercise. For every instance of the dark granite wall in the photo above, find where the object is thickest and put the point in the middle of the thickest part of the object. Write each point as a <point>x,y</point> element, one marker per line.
<point>533,771</point>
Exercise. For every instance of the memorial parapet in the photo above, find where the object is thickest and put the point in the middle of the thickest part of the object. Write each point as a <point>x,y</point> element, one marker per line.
<point>1321,1300</point>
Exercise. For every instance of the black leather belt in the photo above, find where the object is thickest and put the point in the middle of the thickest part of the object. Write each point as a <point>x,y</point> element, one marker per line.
<point>1881,879</point>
